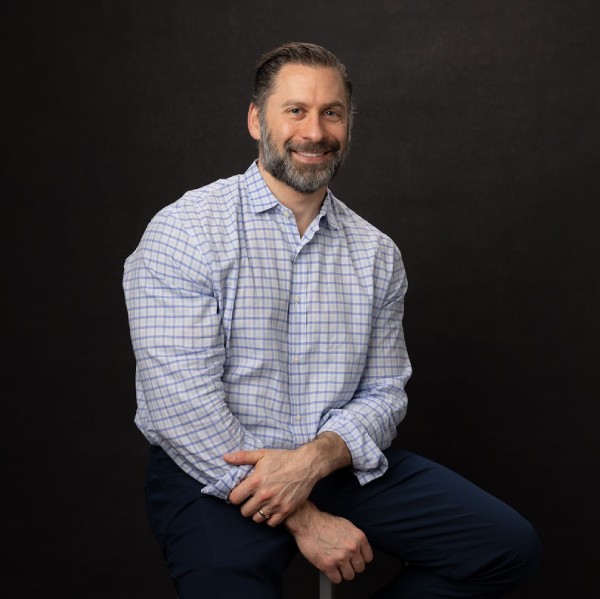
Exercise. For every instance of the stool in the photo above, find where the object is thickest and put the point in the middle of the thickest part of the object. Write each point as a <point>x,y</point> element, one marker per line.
<point>325,587</point>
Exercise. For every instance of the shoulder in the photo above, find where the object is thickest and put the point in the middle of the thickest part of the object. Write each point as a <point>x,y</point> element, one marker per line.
<point>376,257</point>
<point>213,202</point>
<point>192,229</point>
<point>201,213</point>
<point>361,235</point>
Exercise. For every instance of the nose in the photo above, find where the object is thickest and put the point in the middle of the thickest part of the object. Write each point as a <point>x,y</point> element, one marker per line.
<point>313,127</point>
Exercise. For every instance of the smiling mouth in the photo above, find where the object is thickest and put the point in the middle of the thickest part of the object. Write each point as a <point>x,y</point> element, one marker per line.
<point>312,154</point>
<point>312,150</point>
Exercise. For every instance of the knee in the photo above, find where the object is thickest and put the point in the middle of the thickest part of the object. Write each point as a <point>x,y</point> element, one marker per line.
<point>528,549</point>
<point>521,552</point>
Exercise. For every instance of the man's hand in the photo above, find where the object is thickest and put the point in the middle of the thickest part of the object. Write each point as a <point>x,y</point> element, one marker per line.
<point>283,479</point>
<point>331,544</point>
<point>280,481</point>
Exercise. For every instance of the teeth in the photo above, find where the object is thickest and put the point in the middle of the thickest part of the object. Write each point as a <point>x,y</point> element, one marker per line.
<point>310,155</point>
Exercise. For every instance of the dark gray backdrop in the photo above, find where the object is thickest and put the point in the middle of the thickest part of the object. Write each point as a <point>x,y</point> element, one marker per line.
<point>475,148</point>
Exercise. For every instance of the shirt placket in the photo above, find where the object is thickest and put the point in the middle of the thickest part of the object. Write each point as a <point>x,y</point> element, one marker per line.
<point>297,330</point>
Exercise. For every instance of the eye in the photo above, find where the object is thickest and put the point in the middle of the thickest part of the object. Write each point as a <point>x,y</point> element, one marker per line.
<point>332,115</point>
<point>295,111</point>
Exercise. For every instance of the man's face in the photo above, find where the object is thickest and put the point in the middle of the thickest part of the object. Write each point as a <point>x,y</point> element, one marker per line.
<point>304,130</point>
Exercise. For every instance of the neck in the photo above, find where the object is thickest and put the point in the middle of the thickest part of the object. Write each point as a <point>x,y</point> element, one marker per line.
<point>304,206</point>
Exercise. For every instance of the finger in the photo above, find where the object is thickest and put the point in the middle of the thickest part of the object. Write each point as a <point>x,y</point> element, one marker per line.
<point>366,552</point>
<point>239,458</point>
<point>358,564</point>
<point>250,507</point>
<point>260,518</point>
<point>242,492</point>
<point>333,574</point>
<point>347,571</point>
<point>275,520</point>
<point>256,502</point>
<point>278,515</point>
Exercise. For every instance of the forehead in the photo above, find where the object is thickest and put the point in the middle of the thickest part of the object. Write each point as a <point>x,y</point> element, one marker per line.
<point>315,85</point>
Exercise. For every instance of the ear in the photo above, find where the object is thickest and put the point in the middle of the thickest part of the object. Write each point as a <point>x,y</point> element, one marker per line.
<point>254,122</point>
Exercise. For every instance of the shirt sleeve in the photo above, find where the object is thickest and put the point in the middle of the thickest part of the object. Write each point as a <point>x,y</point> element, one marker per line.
<point>367,423</point>
<point>178,342</point>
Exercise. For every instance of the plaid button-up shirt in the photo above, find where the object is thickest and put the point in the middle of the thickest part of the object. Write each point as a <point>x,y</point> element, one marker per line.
<point>248,336</point>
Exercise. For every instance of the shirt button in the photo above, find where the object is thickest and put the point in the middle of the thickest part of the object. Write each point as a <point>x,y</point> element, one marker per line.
<point>295,359</point>
<point>298,418</point>
<point>297,299</point>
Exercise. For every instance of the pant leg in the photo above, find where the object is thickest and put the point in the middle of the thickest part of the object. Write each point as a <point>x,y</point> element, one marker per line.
<point>211,550</point>
<point>459,540</point>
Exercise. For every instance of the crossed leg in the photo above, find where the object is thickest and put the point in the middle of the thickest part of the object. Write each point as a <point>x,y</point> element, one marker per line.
<point>458,540</point>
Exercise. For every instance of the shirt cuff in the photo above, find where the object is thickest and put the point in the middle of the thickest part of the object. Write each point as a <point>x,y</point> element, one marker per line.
<point>223,486</point>
<point>368,461</point>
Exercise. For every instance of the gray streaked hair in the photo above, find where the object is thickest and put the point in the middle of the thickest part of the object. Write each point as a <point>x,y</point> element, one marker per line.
<point>270,63</point>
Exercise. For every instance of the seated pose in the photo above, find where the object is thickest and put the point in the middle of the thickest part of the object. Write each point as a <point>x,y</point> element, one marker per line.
<point>266,320</point>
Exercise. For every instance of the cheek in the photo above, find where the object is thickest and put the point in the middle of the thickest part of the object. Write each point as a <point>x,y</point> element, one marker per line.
<point>342,133</point>
<point>337,131</point>
<point>286,132</point>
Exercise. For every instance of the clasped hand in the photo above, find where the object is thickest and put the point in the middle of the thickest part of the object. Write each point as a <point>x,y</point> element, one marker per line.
<point>330,543</point>
<point>279,486</point>
<point>279,483</point>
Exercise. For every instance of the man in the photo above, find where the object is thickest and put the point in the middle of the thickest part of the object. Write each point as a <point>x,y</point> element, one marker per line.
<point>266,319</point>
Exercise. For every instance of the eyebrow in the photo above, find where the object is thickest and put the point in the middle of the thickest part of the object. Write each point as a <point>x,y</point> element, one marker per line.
<point>334,104</point>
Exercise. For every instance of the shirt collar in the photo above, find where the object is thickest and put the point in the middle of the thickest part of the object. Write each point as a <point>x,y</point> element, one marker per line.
<point>261,198</point>
<point>259,195</point>
<point>328,211</point>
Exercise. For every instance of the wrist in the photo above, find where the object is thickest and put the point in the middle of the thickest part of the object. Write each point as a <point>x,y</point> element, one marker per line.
<point>299,522</point>
<point>328,452</point>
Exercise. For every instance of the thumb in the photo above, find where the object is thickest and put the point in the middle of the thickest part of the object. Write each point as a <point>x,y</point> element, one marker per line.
<point>243,457</point>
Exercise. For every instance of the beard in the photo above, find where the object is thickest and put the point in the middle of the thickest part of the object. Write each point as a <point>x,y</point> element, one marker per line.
<point>304,178</point>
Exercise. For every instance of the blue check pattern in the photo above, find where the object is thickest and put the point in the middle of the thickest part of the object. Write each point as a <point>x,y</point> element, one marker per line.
<point>248,336</point>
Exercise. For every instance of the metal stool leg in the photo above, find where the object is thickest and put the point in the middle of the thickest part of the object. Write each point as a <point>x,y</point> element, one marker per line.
<point>325,587</point>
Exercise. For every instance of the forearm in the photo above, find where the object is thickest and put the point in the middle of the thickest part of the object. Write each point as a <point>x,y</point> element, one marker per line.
<point>368,424</point>
<point>190,420</point>
<point>178,340</point>
<point>302,520</point>
<point>326,453</point>
<point>282,480</point>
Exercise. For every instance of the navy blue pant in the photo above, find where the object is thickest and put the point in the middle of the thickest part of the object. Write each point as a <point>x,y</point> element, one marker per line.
<point>458,540</point>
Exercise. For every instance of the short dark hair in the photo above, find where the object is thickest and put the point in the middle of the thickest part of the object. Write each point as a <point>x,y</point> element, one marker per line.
<point>270,63</point>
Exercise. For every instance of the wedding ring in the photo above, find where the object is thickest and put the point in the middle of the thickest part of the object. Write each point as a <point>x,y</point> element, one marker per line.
<point>265,516</point>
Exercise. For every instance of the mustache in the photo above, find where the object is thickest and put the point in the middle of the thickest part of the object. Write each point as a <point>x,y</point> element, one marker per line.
<point>312,147</point>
